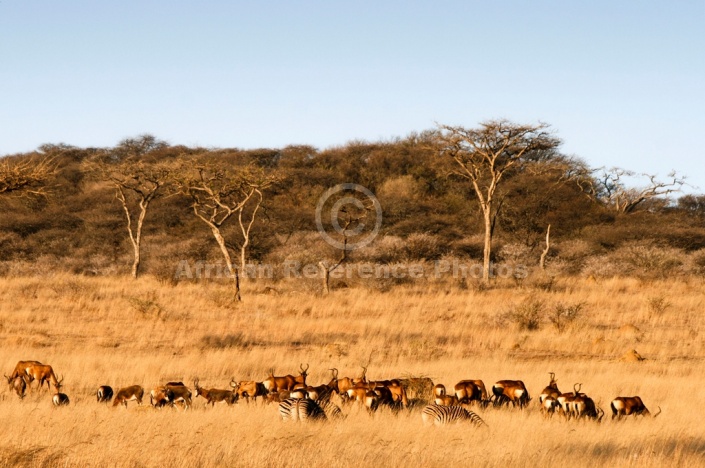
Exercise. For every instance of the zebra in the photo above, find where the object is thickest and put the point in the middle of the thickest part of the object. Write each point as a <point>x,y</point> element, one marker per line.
<point>301,409</point>
<point>331,410</point>
<point>439,415</point>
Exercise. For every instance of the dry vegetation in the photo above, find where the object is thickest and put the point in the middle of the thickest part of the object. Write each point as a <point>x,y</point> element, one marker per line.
<point>121,332</point>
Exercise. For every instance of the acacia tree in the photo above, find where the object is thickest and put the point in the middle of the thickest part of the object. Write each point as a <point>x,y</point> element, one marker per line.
<point>219,194</point>
<point>612,191</point>
<point>137,182</point>
<point>347,219</point>
<point>485,155</point>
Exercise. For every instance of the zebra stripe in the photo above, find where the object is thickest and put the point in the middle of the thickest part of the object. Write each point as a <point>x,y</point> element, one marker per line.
<point>439,415</point>
<point>300,409</point>
<point>331,410</point>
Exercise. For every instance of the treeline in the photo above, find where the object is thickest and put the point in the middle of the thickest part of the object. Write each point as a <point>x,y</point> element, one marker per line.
<point>599,225</point>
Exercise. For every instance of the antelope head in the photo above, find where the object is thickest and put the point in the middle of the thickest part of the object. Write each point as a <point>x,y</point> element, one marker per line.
<point>195,384</point>
<point>234,385</point>
<point>9,379</point>
<point>304,371</point>
<point>59,383</point>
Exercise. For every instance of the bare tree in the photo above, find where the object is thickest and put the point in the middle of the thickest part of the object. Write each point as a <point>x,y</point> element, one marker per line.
<point>25,176</point>
<point>484,155</point>
<point>218,194</point>
<point>137,182</point>
<point>612,191</point>
<point>346,220</point>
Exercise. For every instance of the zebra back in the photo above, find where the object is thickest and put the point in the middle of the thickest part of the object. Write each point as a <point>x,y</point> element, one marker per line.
<point>300,409</point>
<point>440,415</point>
<point>331,410</point>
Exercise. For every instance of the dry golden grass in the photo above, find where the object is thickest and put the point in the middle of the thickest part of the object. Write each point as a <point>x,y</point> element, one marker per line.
<point>121,332</point>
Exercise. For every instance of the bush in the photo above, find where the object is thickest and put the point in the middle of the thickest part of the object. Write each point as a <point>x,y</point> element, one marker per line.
<point>561,315</point>
<point>527,314</point>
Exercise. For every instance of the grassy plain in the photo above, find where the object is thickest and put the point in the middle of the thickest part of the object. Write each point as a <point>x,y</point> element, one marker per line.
<point>120,332</point>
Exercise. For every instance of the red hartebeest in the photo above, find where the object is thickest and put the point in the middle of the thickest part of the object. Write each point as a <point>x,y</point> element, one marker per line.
<point>44,373</point>
<point>132,393</point>
<point>471,390</point>
<point>551,390</point>
<point>626,406</point>
<point>566,401</point>
<point>248,389</point>
<point>18,385</point>
<point>214,395</point>
<point>287,382</point>
<point>514,391</point>
<point>22,370</point>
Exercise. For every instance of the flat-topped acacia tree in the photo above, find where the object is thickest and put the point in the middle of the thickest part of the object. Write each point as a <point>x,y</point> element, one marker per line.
<point>485,155</point>
<point>138,179</point>
<point>220,193</point>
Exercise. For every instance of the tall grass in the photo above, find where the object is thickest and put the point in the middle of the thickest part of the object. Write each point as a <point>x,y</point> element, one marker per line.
<point>120,332</point>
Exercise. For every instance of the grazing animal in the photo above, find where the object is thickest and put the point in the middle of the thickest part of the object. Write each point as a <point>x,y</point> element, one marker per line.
<point>549,406</point>
<point>60,399</point>
<point>18,385</point>
<point>550,391</point>
<point>627,406</point>
<point>215,395</point>
<point>320,393</point>
<point>514,391</point>
<point>132,393</point>
<point>301,409</point>
<point>566,401</point>
<point>439,390</point>
<point>43,374</point>
<point>179,394</point>
<point>160,396</point>
<point>584,407</point>
<point>447,400</point>
<point>441,415</point>
<point>287,382</point>
<point>104,394</point>
<point>248,389</point>
<point>22,370</point>
<point>470,390</point>
<point>340,386</point>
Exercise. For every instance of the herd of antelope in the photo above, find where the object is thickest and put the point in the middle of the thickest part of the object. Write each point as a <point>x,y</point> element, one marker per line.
<point>299,401</point>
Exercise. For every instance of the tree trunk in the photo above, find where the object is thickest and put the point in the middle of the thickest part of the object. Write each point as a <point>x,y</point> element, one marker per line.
<point>228,260</point>
<point>137,240</point>
<point>325,275</point>
<point>488,245</point>
<point>136,261</point>
<point>243,258</point>
<point>542,262</point>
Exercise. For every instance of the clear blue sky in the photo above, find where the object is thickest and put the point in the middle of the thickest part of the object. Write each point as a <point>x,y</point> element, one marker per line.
<point>622,82</point>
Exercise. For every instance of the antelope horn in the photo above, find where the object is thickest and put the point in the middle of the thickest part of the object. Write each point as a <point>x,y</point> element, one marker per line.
<point>657,413</point>
<point>307,366</point>
<point>553,376</point>
<point>334,371</point>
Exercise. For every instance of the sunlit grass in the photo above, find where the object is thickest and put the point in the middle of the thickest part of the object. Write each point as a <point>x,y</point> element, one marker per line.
<point>119,332</point>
